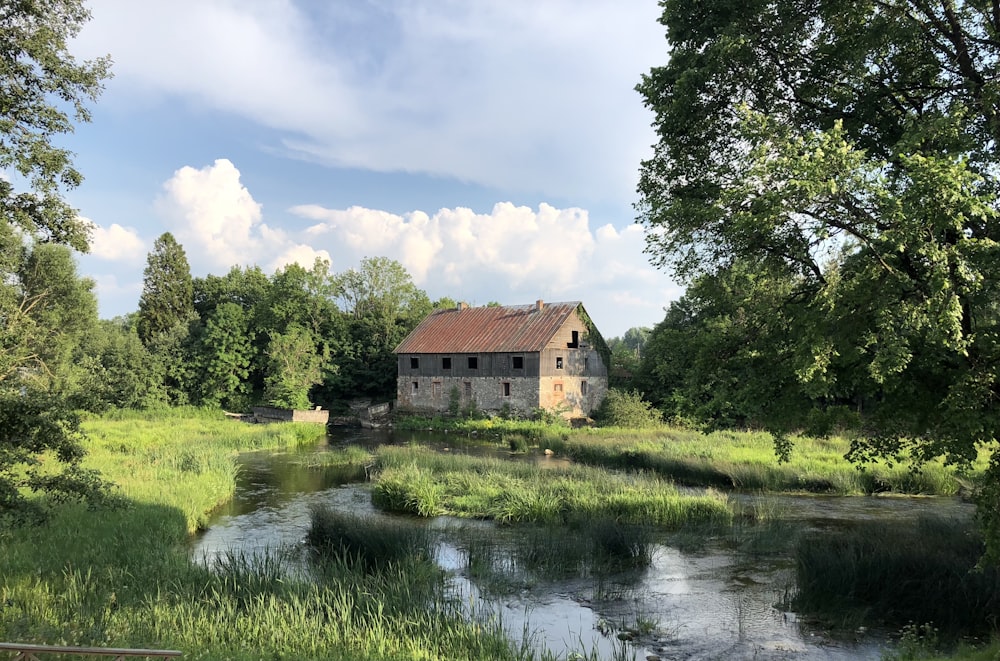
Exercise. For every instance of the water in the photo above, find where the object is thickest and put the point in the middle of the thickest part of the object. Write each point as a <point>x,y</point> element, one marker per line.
<point>706,600</point>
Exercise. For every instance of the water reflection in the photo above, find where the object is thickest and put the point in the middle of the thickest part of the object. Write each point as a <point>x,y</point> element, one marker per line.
<point>706,600</point>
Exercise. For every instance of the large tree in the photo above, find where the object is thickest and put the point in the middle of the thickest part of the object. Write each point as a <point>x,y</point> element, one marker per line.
<point>167,289</point>
<point>43,91</point>
<point>849,148</point>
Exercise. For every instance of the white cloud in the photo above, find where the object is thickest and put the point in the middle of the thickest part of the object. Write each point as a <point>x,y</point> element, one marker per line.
<point>513,94</point>
<point>219,224</point>
<point>116,243</point>
<point>513,255</point>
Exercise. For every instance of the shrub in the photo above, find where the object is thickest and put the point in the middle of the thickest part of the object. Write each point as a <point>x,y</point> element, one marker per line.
<point>627,408</point>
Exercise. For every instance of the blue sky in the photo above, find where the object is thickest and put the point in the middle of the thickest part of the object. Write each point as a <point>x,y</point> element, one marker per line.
<point>491,146</point>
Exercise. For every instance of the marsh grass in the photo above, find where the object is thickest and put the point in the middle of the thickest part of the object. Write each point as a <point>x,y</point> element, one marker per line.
<point>182,457</point>
<point>421,482</point>
<point>900,573</point>
<point>122,577</point>
<point>746,461</point>
<point>371,542</point>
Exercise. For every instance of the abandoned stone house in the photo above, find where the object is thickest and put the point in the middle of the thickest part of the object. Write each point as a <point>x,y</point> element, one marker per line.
<point>547,356</point>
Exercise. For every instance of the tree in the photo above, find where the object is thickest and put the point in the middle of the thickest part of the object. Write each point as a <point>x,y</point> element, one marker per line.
<point>221,358</point>
<point>384,305</point>
<point>294,367</point>
<point>43,90</point>
<point>167,289</point>
<point>848,148</point>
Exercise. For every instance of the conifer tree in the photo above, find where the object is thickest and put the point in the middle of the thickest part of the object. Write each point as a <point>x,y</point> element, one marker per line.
<point>167,290</point>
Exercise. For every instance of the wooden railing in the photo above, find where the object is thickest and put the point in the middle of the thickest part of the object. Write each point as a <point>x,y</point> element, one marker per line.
<point>23,652</point>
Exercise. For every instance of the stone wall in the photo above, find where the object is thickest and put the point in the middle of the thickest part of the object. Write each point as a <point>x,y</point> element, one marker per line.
<point>271,414</point>
<point>428,393</point>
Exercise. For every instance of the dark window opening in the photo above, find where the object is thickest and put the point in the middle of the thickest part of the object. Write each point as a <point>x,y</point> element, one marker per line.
<point>575,341</point>
<point>586,363</point>
<point>517,362</point>
<point>506,389</point>
<point>559,363</point>
<point>583,387</point>
<point>446,363</point>
<point>414,363</point>
<point>416,385</point>
<point>468,390</point>
<point>473,362</point>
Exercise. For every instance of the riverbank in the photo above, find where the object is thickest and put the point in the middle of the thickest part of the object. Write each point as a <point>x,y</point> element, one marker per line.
<point>741,460</point>
<point>123,578</point>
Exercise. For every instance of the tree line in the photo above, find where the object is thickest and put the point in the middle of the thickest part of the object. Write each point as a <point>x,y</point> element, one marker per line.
<point>293,339</point>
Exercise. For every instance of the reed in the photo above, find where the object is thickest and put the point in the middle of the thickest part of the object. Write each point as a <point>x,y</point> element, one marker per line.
<point>900,573</point>
<point>370,542</point>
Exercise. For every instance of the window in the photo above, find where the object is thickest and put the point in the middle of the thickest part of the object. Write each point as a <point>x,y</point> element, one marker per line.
<point>557,387</point>
<point>436,389</point>
<point>416,385</point>
<point>517,362</point>
<point>446,363</point>
<point>559,363</point>
<point>583,387</point>
<point>586,363</point>
<point>473,362</point>
<point>468,389</point>
<point>414,363</point>
<point>575,342</point>
<point>506,388</point>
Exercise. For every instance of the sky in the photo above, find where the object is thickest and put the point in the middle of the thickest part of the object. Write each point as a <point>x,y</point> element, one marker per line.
<point>492,147</point>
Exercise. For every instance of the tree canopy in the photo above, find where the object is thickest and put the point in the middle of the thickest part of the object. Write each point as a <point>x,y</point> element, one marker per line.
<point>846,151</point>
<point>43,304</point>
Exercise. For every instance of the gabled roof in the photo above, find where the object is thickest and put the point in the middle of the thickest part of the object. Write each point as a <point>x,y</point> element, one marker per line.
<point>497,329</point>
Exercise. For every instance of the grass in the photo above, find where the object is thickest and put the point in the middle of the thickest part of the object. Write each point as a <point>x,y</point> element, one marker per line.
<point>898,573</point>
<point>746,461</point>
<point>421,482</point>
<point>123,578</point>
<point>743,460</point>
<point>364,540</point>
<point>181,457</point>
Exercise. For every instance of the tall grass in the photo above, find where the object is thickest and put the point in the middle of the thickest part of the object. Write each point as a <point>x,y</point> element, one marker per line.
<point>181,457</point>
<point>425,483</point>
<point>900,573</point>
<point>746,461</point>
<point>364,540</point>
<point>123,578</point>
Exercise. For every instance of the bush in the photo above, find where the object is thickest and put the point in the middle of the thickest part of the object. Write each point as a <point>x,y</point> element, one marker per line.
<point>627,408</point>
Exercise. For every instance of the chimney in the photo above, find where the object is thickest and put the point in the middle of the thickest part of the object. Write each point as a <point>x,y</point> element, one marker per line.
<point>461,306</point>
<point>539,304</point>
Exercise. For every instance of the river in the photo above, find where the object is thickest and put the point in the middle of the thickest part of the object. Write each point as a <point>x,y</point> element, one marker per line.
<point>700,599</point>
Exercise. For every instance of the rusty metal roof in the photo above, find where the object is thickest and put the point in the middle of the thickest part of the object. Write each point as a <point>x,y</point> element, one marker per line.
<point>497,329</point>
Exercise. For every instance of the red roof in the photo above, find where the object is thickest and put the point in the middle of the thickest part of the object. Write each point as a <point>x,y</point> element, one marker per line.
<point>497,329</point>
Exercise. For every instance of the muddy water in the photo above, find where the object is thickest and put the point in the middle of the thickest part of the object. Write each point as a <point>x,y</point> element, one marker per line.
<point>705,599</point>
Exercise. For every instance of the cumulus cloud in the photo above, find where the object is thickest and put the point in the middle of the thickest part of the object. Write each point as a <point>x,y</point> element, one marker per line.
<point>514,254</point>
<point>219,224</point>
<point>512,94</point>
<point>116,243</point>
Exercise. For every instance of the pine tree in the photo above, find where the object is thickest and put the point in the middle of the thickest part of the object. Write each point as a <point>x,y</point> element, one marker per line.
<point>167,290</point>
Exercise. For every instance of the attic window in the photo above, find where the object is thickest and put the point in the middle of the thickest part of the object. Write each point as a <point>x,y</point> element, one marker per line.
<point>559,362</point>
<point>575,342</point>
<point>517,362</point>
<point>473,362</point>
<point>414,363</point>
<point>446,363</point>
